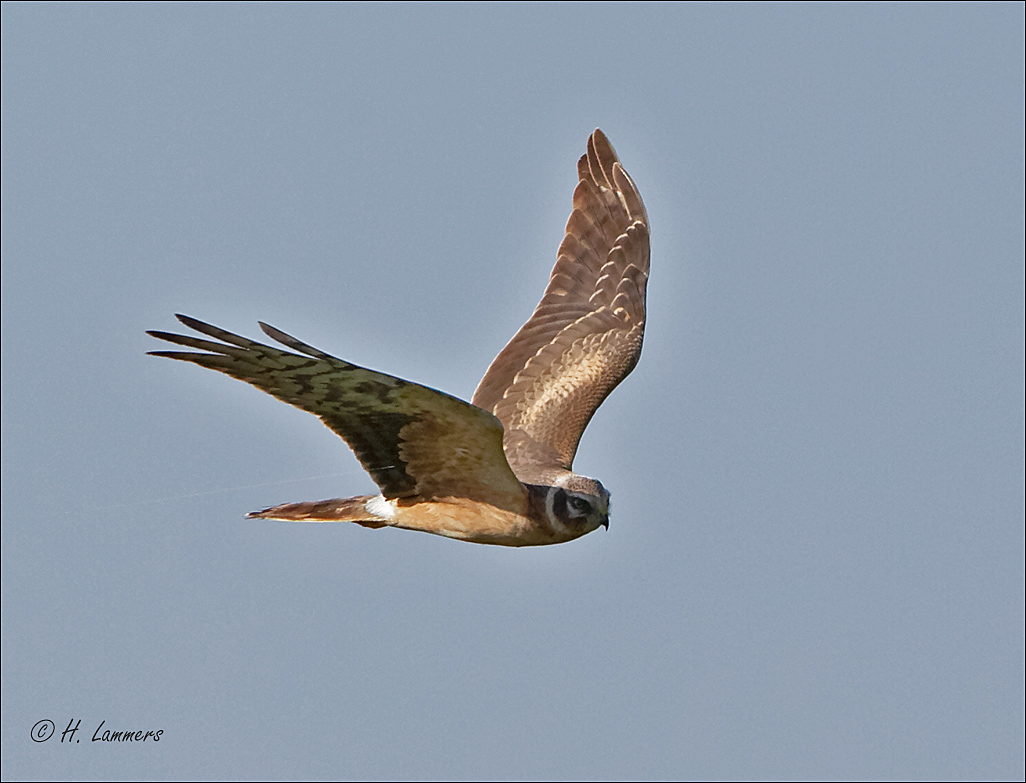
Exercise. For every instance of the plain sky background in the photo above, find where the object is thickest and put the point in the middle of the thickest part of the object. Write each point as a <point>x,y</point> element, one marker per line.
<point>814,566</point>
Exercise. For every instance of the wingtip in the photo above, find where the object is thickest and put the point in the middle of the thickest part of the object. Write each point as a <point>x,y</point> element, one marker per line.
<point>601,159</point>
<point>169,337</point>
<point>273,333</point>
<point>192,323</point>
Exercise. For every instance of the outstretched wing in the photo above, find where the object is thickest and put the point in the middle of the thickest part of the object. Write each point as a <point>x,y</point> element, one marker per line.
<point>414,441</point>
<point>585,335</point>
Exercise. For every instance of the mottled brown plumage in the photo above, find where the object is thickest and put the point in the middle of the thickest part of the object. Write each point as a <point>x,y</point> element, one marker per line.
<point>585,335</point>
<point>499,470</point>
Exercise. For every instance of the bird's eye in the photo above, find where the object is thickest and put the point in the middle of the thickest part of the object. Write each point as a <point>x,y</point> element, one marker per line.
<point>579,504</point>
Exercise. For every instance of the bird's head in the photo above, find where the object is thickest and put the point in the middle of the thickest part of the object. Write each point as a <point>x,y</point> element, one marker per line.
<point>578,503</point>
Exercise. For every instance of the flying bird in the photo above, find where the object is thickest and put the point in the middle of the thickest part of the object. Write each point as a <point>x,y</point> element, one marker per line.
<point>498,470</point>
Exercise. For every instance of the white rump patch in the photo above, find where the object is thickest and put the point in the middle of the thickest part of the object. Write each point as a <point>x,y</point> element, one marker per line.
<point>379,507</point>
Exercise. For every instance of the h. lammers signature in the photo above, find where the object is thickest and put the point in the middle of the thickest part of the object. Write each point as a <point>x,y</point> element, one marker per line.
<point>44,729</point>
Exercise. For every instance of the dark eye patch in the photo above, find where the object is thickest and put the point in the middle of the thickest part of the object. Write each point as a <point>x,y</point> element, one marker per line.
<point>579,504</point>
<point>559,504</point>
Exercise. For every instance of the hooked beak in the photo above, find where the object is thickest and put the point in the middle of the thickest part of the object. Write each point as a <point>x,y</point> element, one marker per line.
<point>605,522</point>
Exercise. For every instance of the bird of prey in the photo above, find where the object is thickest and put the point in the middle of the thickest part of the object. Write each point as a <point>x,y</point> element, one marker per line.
<point>497,470</point>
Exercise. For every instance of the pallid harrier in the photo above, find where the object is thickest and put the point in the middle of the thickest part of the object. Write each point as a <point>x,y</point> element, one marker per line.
<point>497,471</point>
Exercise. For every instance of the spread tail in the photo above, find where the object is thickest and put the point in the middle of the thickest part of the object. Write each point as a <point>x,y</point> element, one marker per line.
<point>337,510</point>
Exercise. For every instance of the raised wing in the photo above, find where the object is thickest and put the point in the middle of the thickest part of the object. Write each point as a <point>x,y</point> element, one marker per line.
<point>415,442</point>
<point>585,335</point>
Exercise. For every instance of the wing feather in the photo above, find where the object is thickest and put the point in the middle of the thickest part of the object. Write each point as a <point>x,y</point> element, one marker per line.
<point>416,442</point>
<point>585,335</point>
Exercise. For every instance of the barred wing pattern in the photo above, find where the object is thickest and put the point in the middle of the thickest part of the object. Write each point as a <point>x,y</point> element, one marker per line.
<point>585,335</point>
<point>414,441</point>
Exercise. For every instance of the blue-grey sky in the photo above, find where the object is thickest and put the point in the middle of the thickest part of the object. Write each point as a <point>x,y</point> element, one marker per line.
<point>814,566</point>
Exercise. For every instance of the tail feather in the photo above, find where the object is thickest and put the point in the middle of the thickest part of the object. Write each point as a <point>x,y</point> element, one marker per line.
<point>337,510</point>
